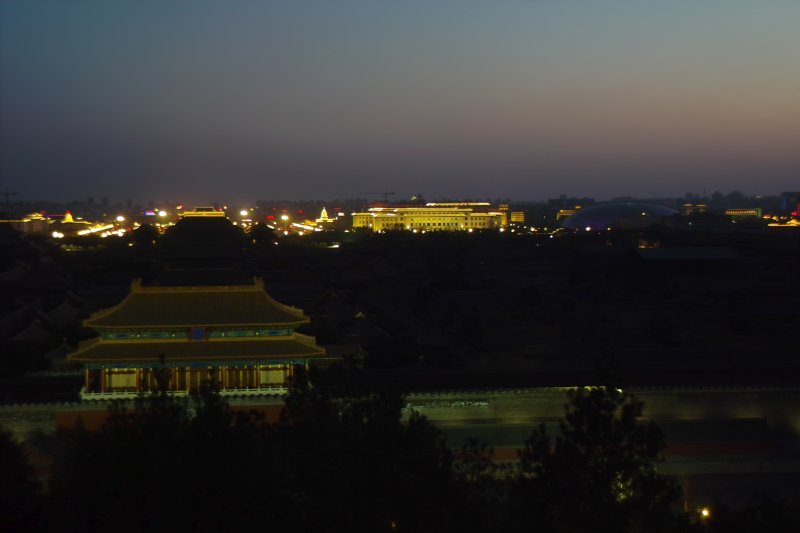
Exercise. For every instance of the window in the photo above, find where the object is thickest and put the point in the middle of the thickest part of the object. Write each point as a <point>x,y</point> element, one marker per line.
<point>122,379</point>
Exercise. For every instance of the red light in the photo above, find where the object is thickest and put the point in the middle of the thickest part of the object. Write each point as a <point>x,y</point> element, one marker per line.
<point>300,211</point>
<point>270,217</point>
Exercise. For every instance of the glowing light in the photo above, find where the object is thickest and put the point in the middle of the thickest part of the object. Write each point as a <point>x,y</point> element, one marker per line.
<point>705,512</point>
<point>243,212</point>
<point>58,235</point>
<point>284,217</point>
<point>162,213</point>
<point>588,228</point>
<point>120,218</point>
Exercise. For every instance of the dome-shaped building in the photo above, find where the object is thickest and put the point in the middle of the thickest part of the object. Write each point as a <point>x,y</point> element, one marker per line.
<point>618,214</point>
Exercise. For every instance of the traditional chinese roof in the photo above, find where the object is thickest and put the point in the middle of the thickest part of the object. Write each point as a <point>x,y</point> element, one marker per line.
<point>203,237</point>
<point>97,350</point>
<point>160,307</point>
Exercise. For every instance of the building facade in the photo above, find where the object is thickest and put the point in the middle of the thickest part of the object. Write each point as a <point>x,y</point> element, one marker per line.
<point>184,338</point>
<point>431,217</point>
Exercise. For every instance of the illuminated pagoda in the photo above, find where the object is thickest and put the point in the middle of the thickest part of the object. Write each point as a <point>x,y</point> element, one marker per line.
<point>200,321</point>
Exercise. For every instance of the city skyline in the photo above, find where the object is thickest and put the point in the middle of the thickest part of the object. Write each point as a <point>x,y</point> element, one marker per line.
<point>278,100</point>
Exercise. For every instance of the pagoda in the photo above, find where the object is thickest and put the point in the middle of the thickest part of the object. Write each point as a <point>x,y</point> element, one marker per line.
<point>201,321</point>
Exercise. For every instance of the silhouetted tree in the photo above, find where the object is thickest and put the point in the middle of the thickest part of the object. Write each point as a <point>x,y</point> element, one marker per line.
<point>599,473</point>
<point>354,464</point>
<point>20,496</point>
<point>480,489</point>
<point>760,514</point>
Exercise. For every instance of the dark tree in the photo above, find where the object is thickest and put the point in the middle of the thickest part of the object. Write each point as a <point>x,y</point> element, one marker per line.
<point>760,514</point>
<point>480,489</point>
<point>20,497</point>
<point>354,464</point>
<point>599,472</point>
<point>342,458</point>
<point>163,466</point>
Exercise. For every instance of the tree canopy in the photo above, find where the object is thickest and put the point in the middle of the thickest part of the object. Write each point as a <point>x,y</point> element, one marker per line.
<point>599,471</point>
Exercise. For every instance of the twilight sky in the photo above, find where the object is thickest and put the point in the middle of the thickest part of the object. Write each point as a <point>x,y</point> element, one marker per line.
<point>243,100</point>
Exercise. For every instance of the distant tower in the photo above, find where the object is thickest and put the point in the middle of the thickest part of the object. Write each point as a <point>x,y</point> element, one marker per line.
<point>323,217</point>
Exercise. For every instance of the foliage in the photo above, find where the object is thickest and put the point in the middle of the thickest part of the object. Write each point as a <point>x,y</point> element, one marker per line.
<point>20,497</point>
<point>599,473</point>
<point>338,460</point>
<point>356,466</point>
<point>480,486</point>
<point>760,514</point>
<point>345,456</point>
<point>159,466</point>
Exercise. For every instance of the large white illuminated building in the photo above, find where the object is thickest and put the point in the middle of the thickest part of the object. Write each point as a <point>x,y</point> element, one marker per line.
<point>455,216</point>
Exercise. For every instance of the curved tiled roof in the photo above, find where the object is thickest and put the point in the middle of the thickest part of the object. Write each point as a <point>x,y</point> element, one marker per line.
<point>238,305</point>
<point>97,350</point>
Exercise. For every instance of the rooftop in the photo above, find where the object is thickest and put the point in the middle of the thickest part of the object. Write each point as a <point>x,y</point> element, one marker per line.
<point>116,352</point>
<point>236,305</point>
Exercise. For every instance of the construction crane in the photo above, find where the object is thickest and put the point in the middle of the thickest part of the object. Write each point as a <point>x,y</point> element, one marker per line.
<point>385,194</point>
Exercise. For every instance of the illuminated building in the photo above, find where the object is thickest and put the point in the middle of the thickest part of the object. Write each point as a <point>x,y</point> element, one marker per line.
<point>567,212</point>
<point>518,217</point>
<point>324,219</point>
<point>204,212</point>
<point>503,208</point>
<point>32,223</point>
<point>431,217</point>
<point>201,321</point>
<point>693,209</point>
<point>746,212</point>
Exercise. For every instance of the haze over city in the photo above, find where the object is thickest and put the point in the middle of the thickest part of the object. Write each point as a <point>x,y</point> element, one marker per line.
<point>459,99</point>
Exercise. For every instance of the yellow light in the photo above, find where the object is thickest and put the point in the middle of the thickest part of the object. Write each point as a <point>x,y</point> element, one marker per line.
<point>243,212</point>
<point>705,512</point>
<point>120,218</point>
<point>162,213</point>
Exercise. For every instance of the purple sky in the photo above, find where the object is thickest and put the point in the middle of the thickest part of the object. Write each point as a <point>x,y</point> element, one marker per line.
<point>237,101</point>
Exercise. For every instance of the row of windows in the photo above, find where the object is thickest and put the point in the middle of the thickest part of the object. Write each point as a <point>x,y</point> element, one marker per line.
<point>198,331</point>
<point>147,335</point>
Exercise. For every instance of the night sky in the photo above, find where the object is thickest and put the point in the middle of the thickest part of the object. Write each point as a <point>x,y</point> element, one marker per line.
<point>238,101</point>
